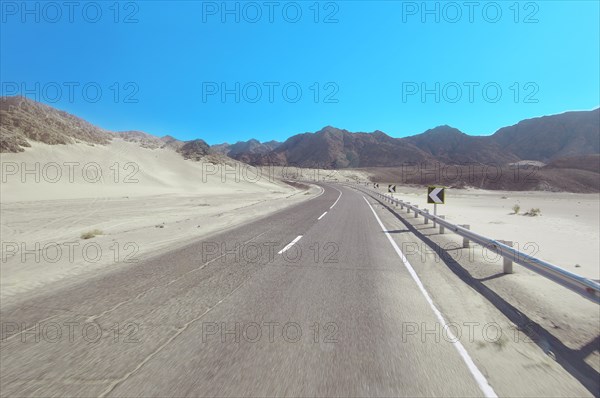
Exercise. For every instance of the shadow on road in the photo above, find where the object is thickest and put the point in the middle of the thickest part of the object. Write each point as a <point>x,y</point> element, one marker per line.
<point>572,360</point>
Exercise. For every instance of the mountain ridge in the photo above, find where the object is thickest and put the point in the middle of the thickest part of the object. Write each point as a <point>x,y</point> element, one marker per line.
<point>545,139</point>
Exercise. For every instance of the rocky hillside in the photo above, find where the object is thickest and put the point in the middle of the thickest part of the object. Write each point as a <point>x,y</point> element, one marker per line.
<point>540,139</point>
<point>337,148</point>
<point>23,120</point>
<point>149,141</point>
<point>586,162</point>
<point>245,151</point>
<point>449,145</point>
<point>564,149</point>
<point>195,149</point>
<point>552,137</point>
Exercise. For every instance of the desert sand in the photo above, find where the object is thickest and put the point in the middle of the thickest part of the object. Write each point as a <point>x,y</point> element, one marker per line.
<point>565,234</point>
<point>140,201</point>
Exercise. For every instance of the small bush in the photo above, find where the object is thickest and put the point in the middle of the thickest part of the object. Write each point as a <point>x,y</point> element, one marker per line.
<point>516,209</point>
<point>500,343</point>
<point>534,212</point>
<point>91,234</point>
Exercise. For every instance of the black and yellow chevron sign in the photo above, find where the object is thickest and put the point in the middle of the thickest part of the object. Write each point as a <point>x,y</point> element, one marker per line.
<point>436,195</point>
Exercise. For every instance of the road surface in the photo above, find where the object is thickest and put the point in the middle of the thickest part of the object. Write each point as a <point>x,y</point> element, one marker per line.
<point>309,301</point>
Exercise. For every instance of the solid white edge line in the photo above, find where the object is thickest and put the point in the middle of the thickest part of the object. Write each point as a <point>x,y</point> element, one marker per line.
<point>322,192</point>
<point>290,244</point>
<point>322,215</point>
<point>338,199</point>
<point>485,387</point>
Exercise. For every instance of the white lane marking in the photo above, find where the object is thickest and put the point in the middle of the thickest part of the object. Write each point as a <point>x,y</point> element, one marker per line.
<point>322,192</point>
<point>322,215</point>
<point>485,387</point>
<point>338,199</point>
<point>290,244</point>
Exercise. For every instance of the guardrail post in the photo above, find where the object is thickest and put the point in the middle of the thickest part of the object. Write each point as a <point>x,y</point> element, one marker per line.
<point>508,264</point>
<point>407,207</point>
<point>442,229</point>
<point>465,240</point>
<point>426,219</point>
<point>401,205</point>
<point>416,211</point>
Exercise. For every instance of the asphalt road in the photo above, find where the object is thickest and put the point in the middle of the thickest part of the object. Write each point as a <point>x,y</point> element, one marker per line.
<point>235,315</point>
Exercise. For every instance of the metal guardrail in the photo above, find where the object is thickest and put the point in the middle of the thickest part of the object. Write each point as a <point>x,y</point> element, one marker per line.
<point>580,285</point>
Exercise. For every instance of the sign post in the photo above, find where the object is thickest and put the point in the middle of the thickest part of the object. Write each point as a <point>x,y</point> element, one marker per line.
<point>435,196</point>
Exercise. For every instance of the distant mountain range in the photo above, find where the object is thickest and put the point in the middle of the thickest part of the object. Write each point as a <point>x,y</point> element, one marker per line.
<point>568,140</point>
<point>245,151</point>
<point>543,139</point>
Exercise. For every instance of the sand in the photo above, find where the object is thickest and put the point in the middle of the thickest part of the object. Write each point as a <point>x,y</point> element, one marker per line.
<point>566,234</point>
<point>146,202</point>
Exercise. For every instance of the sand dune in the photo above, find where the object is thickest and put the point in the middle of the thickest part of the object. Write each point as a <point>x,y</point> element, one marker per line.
<point>146,201</point>
<point>118,169</point>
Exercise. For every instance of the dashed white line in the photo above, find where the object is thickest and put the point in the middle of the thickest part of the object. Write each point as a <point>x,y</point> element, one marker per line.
<point>322,215</point>
<point>485,387</point>
<point>290,244</point>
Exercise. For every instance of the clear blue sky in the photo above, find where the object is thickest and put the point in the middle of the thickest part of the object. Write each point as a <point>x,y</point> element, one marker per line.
<point>371,59</point>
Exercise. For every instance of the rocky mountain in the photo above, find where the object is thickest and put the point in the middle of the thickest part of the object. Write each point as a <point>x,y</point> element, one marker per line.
<point>149,141</point>
<point>23,120</point>
<point>552,137</point>
<point>171,142</point>
<point>541,139</point>
<point>446,144</point>
<point>331,147</point>
<point>569,141</point>
<point>195,149</point>
<point>585,162</point>
<point>221,149</point>
<point>245,151</point>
